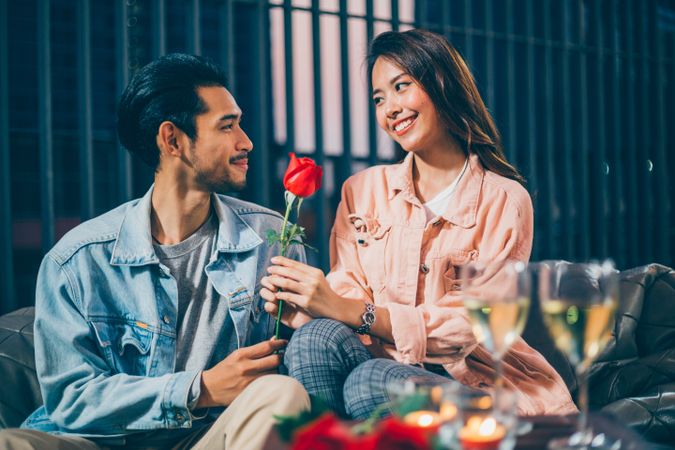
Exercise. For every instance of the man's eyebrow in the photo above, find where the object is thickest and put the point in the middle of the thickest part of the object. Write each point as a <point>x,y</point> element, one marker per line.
<point>392,81</point>
<point>230,117</point>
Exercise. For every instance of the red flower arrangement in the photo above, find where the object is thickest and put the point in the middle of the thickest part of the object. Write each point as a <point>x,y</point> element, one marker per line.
<point>329,433</point>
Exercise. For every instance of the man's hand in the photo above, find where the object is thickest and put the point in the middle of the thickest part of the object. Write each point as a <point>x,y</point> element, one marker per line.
<point>221,384</point>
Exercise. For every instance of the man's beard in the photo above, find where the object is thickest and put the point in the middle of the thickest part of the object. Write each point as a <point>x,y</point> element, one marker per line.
<point>211,182</point>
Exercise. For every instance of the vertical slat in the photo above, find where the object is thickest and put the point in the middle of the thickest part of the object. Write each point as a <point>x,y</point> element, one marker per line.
<point>489,55</point>
<point>567,133</point>
<point>288,65</point>
<point>320,198</point>
<point>663,170</point>
<point>7,273</point>
<point>194,43</point>
<point>468,27</point>
<point>550,219</point>
<point>631,170</point>
<point>422,14</point>
<point>532,119</point>
<point>395,20</point>
<point>85,110</point>
<point>584,230</point>
<point>511,148</point>
<point>598,173</point>
<point>158,28</point>
<point>616,107</point>
<point>645,142</point>
<point>122,53</point>
<point>262,163</point>
<point>45,124</point>
<point>344,165</point>
<point>445,19</point>
<point>227,33</point>
<point>372,121</point>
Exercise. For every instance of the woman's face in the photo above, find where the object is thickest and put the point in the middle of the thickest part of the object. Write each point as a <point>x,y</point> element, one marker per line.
<point>404,110</point>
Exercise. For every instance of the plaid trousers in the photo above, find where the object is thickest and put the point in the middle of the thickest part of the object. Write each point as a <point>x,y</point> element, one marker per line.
<point>330,361</point>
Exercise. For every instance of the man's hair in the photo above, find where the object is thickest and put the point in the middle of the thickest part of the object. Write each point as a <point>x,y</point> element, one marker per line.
<point>164,90</point>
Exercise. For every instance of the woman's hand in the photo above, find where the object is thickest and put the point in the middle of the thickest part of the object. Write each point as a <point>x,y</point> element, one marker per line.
<point>291,316</point>
<point>304,288</point>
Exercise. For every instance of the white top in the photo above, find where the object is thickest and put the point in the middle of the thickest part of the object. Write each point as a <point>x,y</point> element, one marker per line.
<point>439,204</point>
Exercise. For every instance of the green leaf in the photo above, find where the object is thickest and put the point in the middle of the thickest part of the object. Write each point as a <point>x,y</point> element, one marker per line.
<point>314,249</point>
<point>414,402</point>
<point>272,237</point>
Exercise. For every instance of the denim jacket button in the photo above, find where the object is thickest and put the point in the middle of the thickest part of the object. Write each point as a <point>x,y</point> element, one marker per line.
<point>166,319</point>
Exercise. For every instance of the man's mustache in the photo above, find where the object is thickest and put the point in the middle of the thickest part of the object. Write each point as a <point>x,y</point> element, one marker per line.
<point>238,158</point>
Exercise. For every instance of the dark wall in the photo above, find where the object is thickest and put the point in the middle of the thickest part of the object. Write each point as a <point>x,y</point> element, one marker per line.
<point>582,92</point>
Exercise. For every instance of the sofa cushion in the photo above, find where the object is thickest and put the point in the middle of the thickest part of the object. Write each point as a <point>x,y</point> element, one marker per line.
<point>19,389</point>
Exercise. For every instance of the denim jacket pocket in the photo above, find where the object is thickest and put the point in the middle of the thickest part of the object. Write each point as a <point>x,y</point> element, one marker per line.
<point>126,347</point>
<point>240,302</point>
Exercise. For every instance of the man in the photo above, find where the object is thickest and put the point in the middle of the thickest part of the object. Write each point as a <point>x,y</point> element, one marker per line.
<point>149,331</point>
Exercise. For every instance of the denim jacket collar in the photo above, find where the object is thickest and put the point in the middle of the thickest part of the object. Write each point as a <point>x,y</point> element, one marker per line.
<point>133,246</point>
<point>462,209</point>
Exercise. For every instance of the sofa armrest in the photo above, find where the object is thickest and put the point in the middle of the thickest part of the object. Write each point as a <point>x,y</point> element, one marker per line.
<point>651,414</point>
<point>19,389</point>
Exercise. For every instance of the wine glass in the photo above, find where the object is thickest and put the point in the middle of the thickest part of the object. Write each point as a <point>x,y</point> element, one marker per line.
<point>578,302</point>
<point>497,299</point>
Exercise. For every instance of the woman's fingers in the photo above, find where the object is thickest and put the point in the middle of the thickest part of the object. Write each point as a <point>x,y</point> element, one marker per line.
<point>271,308</point>
<point>268,295</point>
<point>267,283</point>
<point>287,272</point>
<point>295,299</point>
<point>292,264</point>
<point>284,284</point>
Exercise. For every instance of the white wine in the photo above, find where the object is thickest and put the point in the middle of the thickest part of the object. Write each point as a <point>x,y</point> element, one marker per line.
<point>497,324</point>
<point>581,331</point>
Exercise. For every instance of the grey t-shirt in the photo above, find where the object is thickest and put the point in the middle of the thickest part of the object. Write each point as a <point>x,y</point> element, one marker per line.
<point>202,315</point>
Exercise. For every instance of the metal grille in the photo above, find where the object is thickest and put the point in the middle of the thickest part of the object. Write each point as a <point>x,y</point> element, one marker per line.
<point>581,90</point>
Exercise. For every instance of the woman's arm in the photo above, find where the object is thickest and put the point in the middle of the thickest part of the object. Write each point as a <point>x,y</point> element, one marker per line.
<point>306,287</point>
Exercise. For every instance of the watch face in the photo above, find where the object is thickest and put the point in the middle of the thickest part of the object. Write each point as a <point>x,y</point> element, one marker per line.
<point>369,317</point>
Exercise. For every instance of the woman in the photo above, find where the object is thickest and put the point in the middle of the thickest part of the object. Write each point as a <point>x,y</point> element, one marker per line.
<point>400,233</point>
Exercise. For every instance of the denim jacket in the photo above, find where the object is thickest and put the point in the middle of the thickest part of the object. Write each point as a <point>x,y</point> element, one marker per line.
<point>105,324</point>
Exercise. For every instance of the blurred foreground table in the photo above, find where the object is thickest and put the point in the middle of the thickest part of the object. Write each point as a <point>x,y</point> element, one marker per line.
<point>545,428</point>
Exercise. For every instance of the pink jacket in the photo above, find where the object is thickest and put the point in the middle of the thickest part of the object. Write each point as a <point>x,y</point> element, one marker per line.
<point>383,251</point>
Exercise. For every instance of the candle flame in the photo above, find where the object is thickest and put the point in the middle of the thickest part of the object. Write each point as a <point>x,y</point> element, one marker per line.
<point>488,427</point>
<point>425,420</point>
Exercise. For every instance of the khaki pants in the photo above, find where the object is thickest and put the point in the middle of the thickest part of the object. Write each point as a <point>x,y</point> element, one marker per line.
<point>244,425</point>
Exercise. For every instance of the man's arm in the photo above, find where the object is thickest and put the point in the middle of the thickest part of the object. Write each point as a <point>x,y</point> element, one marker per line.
<point>80,392</point>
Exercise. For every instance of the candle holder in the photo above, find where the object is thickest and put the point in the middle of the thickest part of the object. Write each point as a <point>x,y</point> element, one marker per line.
<point>484,421</point>
<point>423,402</point>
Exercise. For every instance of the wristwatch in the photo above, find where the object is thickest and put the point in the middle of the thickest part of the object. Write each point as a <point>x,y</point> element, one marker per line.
<point>368,319</point>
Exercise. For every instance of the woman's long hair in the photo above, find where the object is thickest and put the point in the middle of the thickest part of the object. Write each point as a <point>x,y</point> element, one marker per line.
<point>431,60</point>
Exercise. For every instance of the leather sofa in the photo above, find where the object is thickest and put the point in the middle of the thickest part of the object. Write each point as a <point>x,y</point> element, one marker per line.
<point>634,379</point>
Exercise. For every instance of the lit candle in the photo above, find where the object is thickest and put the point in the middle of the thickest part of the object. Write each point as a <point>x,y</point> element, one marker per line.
<point>481,433</point>
<point>429,420</point>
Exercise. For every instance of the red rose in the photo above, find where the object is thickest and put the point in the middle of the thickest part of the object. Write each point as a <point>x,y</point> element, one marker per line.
<point>303,176</point>
<point>392,434</point>
<point>325,433</point>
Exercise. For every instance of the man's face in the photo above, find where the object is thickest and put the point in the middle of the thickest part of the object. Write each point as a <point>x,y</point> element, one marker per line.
<point>219,154</point>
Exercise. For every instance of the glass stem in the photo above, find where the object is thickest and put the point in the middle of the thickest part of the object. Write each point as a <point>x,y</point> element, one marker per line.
<point>499,376</point>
